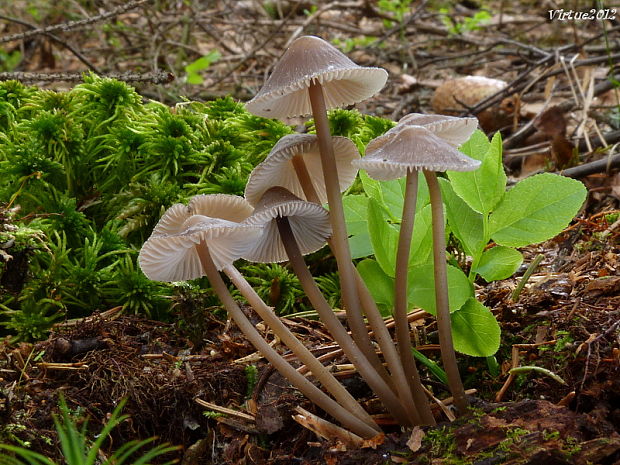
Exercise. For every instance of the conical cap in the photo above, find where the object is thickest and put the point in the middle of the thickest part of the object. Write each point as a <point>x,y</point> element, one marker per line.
<point>311,59</point>
<point>412,148</point>
<point>309,223</point>
<point>278,170</point>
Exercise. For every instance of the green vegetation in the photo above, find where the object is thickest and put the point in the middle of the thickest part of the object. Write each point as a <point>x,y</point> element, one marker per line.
<point>78,449</point>
<point>486,222</point>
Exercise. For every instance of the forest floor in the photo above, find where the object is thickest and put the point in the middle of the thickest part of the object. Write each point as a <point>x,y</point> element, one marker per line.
<point>565,321</point>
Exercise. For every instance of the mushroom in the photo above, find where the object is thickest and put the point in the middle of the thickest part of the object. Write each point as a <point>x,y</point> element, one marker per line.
<point>294,218</point>
<point>403,151</point>
<point>311,77</point>
<point>295,164</point>
<point>187,246</point>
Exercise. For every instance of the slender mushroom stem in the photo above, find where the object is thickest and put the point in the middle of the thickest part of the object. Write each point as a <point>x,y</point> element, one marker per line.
<point>403,336</point>
<point>303,354</point>
<point>338,332</point>
<point>336,217</point>
<point>287,370</point>
<point>448,355</point>
<point>400,378</point>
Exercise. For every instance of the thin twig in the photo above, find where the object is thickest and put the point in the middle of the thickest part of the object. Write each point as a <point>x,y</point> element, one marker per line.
<point>64,27</point>
<point>159,77</point>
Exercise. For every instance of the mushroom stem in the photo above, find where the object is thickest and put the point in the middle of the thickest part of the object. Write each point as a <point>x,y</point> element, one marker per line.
<point>399,382</point>
<point>403,335</point>
<point>448,355</point>
<point>338,332</point>
<point>286,369</point>
<point>303,354</point>
<point>301,170</point>
<point>339,231</point>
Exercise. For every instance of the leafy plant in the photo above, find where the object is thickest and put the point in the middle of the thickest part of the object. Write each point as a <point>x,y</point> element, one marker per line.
<point>193,69</point>
<point>487,223</point>
<point>78,449</point>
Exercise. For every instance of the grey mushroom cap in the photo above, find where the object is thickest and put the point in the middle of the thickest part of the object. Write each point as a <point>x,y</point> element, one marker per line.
<point>170,253</point>
<point>454,130</point>
<point>412,148</point>
<point>278,170</point>
<point>309,223</point>
<point>227,207</point>
<point>311,59</point>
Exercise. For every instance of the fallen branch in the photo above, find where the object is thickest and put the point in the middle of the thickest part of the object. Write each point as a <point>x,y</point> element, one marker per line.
<point>157,77</point>
<point>64,27</point>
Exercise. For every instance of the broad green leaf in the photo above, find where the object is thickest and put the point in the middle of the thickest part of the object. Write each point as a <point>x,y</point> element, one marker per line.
<point>371,187</point>
<point>393,195</point>
<point>421,288</point>
<point>475,330</point>
<point>203,62</point>
<point>476,146</point>
<point>483,188</point>
<point>356,217</point>
<point>383,236</point>
<point>200,64</point>
<point>536,209</point>
<point>465,223</point>
<point>380,285</point>
<point>356,213</point>
<point>422,240</point>
<point>498,263</point>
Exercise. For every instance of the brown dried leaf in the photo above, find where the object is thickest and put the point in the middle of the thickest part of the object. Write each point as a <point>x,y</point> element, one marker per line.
<point>415,440</point>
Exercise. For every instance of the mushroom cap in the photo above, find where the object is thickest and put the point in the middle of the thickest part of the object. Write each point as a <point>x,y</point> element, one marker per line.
<point>455,131</point>
<point>169,254</point>
<point>412,148</point>
<point>225,206</point>
<point>311,59</point>
<point>309,223</point>
<point>278,170</point>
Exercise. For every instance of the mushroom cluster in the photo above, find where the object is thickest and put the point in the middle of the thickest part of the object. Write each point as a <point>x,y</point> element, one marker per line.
<point>281,218</point>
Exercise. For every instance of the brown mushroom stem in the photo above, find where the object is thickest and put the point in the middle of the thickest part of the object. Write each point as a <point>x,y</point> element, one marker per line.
<point>303,354</point>
<point>287,370</point>
<point>403,334</point>
<point>448,356</point>
<point>338,332</point>
<point>339,231</point>
<point>399,382</point>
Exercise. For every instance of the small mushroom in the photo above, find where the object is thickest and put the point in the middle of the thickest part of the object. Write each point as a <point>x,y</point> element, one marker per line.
<point>295,163</point>
<point>403,151</point>
<point>311,60</point>
<point>186,245</point>
<point>311,77</point>
<point>286,220</point>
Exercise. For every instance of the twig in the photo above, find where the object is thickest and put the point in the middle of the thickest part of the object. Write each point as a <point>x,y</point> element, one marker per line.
<point>56,39</point>
<point>598,166</point>
<point>74,24</point>
<point>224,410</point>
<point>159,77</point>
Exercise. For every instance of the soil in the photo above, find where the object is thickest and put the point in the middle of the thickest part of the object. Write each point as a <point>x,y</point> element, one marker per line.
<point>566,320</point>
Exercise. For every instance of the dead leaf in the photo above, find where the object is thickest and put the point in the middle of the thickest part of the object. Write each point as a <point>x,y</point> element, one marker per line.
<point>415,440</point>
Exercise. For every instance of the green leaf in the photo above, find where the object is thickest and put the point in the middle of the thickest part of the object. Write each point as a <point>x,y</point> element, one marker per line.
<point>484,188</point>
<point>202,63</point>
<point>380,285</point>
<point>498,263</point>
<point>422,240</point>
<point>475,330</point>
<point>464,223</point>
<point>536,209</point>
<point>356,217</point>
<point>421,288</point>
<point>383,236</point>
